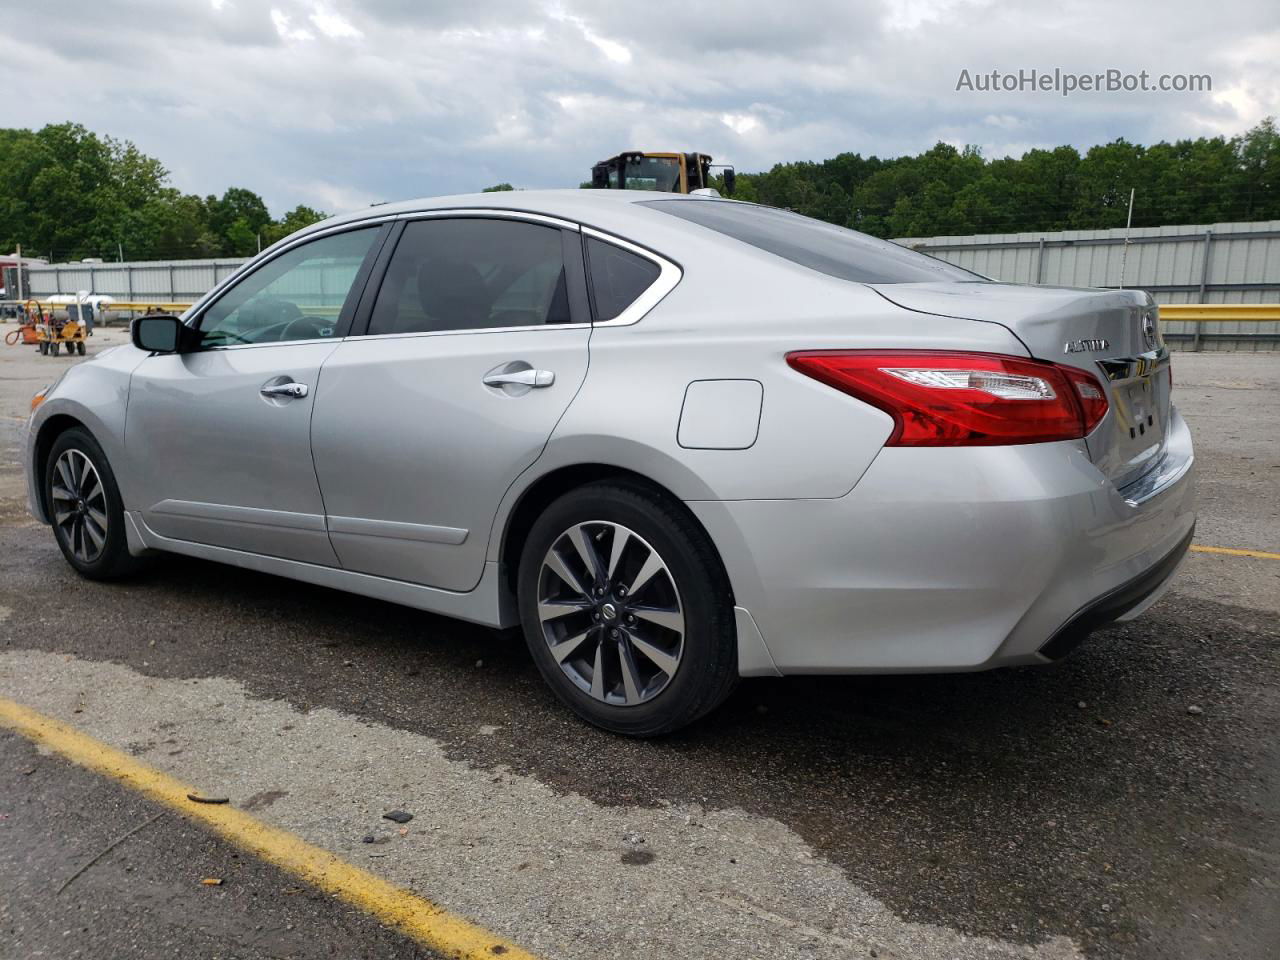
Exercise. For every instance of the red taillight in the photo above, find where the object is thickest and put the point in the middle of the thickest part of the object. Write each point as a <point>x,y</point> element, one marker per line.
<point>963,399</point>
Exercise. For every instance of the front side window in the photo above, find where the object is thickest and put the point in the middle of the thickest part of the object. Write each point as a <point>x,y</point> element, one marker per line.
<point>472,274</point>
<point>297,296</point>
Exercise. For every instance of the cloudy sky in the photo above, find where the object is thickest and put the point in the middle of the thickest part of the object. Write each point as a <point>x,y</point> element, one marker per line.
<point>344,102</point>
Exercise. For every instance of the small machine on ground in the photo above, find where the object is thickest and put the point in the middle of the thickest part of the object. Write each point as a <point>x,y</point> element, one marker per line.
<point>664,172</point>
<point>48,332</point>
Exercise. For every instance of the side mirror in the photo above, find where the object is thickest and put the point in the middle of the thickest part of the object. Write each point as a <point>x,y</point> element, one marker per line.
<point>729,179</point>
<point>158,333</point>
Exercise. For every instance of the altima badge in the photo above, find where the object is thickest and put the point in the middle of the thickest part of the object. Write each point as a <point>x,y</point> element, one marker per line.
<point>1086,346</point>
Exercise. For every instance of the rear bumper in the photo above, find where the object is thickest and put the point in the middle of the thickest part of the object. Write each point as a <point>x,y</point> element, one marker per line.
<point>954,559</point>
<point>1117,604</point>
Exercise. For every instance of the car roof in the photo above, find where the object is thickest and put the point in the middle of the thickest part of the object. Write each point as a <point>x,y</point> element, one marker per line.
<point>608,209</point>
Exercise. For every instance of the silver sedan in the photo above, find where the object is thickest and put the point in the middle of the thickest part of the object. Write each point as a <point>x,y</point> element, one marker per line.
<point>677,440</point>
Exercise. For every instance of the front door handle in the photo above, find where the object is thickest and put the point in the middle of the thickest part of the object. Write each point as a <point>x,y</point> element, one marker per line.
<point>290,390</point>
<point>521,378</point>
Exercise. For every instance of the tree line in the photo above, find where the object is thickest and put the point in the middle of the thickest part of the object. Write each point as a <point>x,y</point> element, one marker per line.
<point>67,194</point>
<point>946,191</point>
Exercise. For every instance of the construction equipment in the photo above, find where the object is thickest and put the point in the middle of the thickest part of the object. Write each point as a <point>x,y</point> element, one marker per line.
<point>53,333</point>
<point>665,172</point>
<point>30,319</point>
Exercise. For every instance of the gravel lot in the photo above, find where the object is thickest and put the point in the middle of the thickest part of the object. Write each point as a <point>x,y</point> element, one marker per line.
<point>1082,810</point>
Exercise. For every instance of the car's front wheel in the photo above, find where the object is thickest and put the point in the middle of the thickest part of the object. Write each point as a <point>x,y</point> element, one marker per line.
<point>627,610</point>
<point>85,508</point>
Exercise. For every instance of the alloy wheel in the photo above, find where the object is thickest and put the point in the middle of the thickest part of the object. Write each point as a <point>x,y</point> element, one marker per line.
<point>79,505</point>
<point>611,613</point>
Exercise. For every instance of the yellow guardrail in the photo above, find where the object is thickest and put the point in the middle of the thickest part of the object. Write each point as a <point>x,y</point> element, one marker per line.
<point>1221,312</point>
<point>142,306</point>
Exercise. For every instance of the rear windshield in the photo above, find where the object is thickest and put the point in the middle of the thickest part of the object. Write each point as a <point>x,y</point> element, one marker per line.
<point>835,251</point>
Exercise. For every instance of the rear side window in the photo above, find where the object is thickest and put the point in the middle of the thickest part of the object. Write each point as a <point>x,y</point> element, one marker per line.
<point>618,277</point>
<point>472,274</point>
<point>835,251</point>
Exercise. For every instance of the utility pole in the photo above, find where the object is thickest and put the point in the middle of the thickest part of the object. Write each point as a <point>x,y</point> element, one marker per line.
<point>20,296</point>
<point>1124,253</point>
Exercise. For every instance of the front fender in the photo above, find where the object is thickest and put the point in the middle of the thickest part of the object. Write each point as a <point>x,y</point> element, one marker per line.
<point>94,395</point>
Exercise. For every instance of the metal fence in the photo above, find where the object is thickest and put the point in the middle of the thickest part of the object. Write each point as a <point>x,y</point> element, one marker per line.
<point>180,281</point>
<point>1218,263</point>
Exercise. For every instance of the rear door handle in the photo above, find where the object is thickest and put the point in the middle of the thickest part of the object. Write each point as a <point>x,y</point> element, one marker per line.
<point>522,378</point>
<point>291,390</point>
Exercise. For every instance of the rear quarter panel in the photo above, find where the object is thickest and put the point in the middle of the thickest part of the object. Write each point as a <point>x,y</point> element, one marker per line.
<point>736,314</point>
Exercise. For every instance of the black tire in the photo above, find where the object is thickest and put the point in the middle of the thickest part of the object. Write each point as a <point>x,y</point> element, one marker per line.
<point>44,348</point>
<point>113,560</point>
<point>54,348</point>
<point>80,348</point>
<point>708,666</point>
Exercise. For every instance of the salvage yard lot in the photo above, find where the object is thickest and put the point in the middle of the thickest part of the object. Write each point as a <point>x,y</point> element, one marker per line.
<point>1125,803</point>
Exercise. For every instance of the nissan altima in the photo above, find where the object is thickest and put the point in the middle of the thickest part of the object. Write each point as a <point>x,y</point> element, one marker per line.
<point>677,440</point>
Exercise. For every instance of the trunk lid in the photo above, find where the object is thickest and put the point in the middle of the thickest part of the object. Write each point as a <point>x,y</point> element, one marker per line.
<point>1113,334</point>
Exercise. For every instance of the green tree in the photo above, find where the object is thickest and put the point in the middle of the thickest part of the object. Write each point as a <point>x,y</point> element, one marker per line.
<point>240,239</point>
<point>236,218</point>
<point>172,225</point>
<point>293,221</point>
<point>498,188</point>
<point>68,193</point>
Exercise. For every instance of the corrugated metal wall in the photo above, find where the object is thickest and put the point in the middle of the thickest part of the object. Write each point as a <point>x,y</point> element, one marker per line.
<point>1217,263</point>
<point>180,281</point>
<point>1212,263</point>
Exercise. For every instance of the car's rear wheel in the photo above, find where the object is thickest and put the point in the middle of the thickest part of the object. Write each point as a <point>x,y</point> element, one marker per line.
<point>85,508</point>
<point>627,610</point>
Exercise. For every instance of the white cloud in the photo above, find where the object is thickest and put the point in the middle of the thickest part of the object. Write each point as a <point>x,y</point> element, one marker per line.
<point>334,25</point>
<point>615,51</point>
<point>286,32</point>
<point>739,123</point>
<point>337,103</point>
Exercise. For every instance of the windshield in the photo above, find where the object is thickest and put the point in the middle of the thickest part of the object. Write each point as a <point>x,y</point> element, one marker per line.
<point>653,173</point>
<point>835,251</point>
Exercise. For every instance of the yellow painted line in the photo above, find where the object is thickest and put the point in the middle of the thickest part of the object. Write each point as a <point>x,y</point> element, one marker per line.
<point>424,921</point>
<point>1232,552</point>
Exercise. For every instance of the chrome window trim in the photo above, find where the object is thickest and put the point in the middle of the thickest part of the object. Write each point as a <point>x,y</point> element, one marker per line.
<point>464,331</point>
<point>270,343</point>
<point>493,213</point>
<point>669,274</point>
<point>482,213</point>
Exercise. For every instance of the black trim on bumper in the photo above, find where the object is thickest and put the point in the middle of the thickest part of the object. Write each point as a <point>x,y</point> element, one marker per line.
<point>1114,603</point>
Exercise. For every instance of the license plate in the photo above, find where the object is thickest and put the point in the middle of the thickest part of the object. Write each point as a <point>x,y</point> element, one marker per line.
<point>1140,399</point>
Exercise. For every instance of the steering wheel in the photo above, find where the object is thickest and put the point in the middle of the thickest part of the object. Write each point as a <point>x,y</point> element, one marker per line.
<point>307,328</point>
